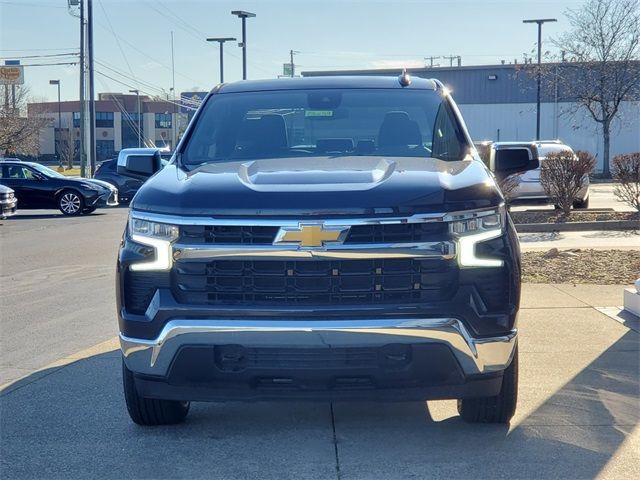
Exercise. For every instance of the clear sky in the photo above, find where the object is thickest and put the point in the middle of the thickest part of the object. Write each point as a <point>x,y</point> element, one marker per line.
<point>133,37</point>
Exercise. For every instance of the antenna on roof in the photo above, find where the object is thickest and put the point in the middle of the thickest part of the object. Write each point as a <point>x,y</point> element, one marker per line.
<point>404,78</point>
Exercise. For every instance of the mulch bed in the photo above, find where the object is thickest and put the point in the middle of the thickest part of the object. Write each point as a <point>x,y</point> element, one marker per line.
<point>602,267</point>
<point>546,216</point>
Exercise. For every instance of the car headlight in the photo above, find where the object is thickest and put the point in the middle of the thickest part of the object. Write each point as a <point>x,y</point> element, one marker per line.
<point>475,227</point>
<point>156,235</point>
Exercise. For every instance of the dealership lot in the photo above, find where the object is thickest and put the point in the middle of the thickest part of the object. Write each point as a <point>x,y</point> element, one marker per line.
<point>62,413</point>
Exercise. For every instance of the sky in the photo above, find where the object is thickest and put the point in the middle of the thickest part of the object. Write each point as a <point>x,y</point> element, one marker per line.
<point>133,38</point>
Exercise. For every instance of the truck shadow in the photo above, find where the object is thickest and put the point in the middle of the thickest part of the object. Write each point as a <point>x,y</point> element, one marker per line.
<point>71,422</point>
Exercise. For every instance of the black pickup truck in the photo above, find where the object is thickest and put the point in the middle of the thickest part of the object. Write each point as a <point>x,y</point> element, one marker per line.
<point>321,238</point>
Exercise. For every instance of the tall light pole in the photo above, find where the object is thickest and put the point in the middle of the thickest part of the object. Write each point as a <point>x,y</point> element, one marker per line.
<point>539,21</point>
<point>221,41</point>
<point>137,92</point>
<point>57,82</point>
<point>243,15</point>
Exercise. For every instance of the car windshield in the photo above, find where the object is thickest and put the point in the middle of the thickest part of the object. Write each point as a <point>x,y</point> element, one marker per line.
<point>328,122</point>
<point>47,172</point>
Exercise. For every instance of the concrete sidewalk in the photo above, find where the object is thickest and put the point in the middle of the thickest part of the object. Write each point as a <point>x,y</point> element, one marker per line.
<point>599,240</point>
<point>577,417</point>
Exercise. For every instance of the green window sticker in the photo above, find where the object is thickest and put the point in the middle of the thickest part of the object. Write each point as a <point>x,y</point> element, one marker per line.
<point>318,113</point>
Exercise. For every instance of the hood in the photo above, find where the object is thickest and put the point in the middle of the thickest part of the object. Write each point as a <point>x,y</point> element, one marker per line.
<point>327,186</point>
<point>94,181</point>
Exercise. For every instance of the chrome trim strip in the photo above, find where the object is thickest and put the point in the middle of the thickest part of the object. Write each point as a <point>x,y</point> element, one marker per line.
<point>475,355</point>
<point>341,222</point>
<point>444,250</point>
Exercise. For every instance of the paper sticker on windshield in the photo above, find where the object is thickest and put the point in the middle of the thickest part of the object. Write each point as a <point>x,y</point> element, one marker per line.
<point>318,113</point>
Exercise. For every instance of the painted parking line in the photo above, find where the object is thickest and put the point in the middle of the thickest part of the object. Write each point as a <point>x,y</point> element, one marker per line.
<point>98,349</point>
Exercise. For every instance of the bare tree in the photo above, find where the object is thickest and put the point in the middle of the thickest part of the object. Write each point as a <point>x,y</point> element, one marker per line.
<point>626,170</point>
<point>562,175</point>
<point>67,147</point>
<point>19,134</point>
<point>605,41</point>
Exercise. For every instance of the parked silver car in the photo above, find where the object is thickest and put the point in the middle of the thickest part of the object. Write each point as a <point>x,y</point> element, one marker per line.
<point>530,189</point>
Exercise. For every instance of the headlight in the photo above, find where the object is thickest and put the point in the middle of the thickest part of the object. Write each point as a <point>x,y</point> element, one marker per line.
<point>476,227</point>
<point>156,235</point>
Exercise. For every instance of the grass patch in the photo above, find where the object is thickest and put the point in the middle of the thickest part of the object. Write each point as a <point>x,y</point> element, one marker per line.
<point>72,172</point>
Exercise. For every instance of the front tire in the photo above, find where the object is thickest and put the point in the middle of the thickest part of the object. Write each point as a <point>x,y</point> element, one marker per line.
<point>70,202</point>
<point>581,203</point>
<point>496,409</point>
<point>150,411</point>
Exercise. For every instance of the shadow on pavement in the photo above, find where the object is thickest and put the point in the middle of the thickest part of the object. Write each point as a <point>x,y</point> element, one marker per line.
<point>72,423</point>
<point>36,216</point>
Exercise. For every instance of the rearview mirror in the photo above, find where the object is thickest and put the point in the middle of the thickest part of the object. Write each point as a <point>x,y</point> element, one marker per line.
<point>139,162</point>
<point>507,160</point>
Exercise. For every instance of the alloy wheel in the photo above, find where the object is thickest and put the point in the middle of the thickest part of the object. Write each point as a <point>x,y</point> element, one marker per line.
<point>70,203</point>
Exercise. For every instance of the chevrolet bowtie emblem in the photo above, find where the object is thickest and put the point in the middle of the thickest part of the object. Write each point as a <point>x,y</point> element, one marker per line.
<point>311,235</point>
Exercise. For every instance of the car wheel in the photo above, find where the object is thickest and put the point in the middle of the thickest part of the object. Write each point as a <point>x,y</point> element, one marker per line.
<point>581,203</point>
<point>150,411</point>
<point>89,210</point>
<point>499,408</point>
<point>70,202</point>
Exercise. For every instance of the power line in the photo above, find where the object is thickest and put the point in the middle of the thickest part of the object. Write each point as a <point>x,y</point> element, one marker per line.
<point>41,56</point>
<point>106,16</point>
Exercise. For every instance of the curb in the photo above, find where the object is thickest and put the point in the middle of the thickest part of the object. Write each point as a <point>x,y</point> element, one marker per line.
<point>578,226</point>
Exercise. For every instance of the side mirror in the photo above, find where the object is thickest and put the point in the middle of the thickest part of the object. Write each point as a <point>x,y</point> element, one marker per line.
<point>139,162</point>
<point>39,177</point>
<point>507,160</point>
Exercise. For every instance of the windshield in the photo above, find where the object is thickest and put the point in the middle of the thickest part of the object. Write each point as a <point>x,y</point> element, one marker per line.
<point>47,172</point>
<point>303,123</point>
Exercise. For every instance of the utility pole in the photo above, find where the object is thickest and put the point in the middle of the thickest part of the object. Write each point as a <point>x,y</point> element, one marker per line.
<point>137,92</point>
<point>83,88</point>
<point>450,58</point>
<point>83,132</point>
<point>539,21</point>
<point>243,15</point>
<point>293,67</point>
<point>92,92</point>
<point>221,41</point>
<point>431,59</point>
<point>174,140</point>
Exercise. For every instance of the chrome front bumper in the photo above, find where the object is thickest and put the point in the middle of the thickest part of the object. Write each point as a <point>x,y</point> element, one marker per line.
<point>475,355</point>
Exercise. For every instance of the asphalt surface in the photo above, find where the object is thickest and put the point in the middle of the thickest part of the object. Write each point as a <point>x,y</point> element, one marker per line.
<point>62,412</point>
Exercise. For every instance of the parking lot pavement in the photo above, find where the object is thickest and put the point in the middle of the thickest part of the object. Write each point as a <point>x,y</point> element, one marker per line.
<point>600,196</point>
<point>577,416</point>
<point>599,240</point>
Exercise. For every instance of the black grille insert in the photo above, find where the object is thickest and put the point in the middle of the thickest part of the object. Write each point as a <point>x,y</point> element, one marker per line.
<point>397,233</point>
<point>244,235</point>
<point>314,282</point>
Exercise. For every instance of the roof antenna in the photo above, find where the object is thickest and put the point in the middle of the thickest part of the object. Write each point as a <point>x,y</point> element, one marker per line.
<point>404,78</point>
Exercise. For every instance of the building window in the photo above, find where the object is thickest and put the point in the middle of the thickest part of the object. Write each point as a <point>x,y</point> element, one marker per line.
<point>104,119</point>
<point>76,119</point>
<point>163,120</point>
<point>104,149</point>
<point>130,129</point>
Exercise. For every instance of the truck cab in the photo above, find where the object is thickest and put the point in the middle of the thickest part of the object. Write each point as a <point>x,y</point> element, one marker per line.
<point>321,238</point>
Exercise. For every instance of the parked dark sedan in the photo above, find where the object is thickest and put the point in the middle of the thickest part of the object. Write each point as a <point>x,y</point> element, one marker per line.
<point>127,186</point>
<point>37,186</point>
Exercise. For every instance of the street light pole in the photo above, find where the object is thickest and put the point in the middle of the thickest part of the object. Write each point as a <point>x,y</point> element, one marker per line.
<point>221,41</point>
<point>137,92</point>
<point>57,82</point>
<point>539,21</point>
<point>244,15</point>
